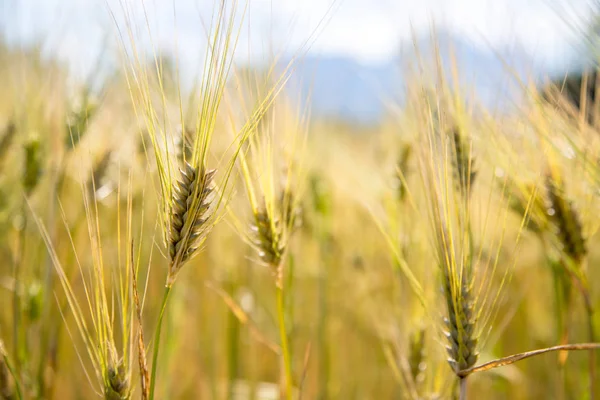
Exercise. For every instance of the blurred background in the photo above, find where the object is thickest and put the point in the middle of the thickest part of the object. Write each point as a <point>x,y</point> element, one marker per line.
<point>506,87</point>
<point>356,61</point>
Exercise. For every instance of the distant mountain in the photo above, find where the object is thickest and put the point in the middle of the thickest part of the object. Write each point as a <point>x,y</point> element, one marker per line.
<point>341,87</point>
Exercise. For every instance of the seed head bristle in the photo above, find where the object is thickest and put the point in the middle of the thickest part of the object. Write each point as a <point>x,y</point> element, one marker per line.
<point>566,221</point>
<point>190,215</point>
<point>463,162</point>
<point>416,356</point>
<point>522,203</point>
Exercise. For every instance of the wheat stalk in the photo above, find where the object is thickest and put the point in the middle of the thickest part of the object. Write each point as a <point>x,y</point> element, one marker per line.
<point>278,214</point>
<point>522,356</point>
<point>191,201</point>
<point>569,234</point>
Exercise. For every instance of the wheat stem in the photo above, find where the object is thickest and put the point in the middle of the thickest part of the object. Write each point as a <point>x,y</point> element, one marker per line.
<point>521,356</point>
<point>157,341</point>
<point>142,363</point>
<point>284,342</point>
<point>17,323</point>
<point>592,337</point>
<point>233,346</point>
<point>463,388</point>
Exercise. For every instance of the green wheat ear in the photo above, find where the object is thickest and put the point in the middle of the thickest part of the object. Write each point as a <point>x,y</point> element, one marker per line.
<point>78,120</point>
<point>402,171</point>
<point>33,165</point>
<point>416,356</point>
<point>566,221</point>
<point>462,161</point>
<point>461,316</point>
<point>292,213</point>
<point>117,380</point>
<point>268,233</point>
<point>452,234</point>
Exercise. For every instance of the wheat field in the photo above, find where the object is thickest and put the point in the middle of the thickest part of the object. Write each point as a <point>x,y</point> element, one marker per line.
<point>220,242</point>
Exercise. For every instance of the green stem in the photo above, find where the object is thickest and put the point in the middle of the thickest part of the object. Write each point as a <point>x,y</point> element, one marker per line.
<point>17,323</point>
<point>233,347</point>
<point>284,343</point>
<point>583,287</point>
<point>592,338</point>
<point>324,362</point>
<point>156,345</point>
<point>562,305</point>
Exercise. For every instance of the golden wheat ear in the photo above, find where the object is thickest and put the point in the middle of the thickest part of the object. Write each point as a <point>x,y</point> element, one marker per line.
<point>190,217</point>
<point>267,233</point>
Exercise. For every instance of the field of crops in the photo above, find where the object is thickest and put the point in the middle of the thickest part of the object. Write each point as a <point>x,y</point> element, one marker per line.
<point>219,242</point>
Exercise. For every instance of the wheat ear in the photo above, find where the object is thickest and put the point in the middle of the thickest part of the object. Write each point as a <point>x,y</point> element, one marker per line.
<point>117,384</point>
<point>416,356</point>
<point>463,162</point>
<point>566,221</point>
<point>267,233</point>
<point>191,211</point>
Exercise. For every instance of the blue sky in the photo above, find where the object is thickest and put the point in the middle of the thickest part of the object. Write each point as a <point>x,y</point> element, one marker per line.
<point>369,31</point>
